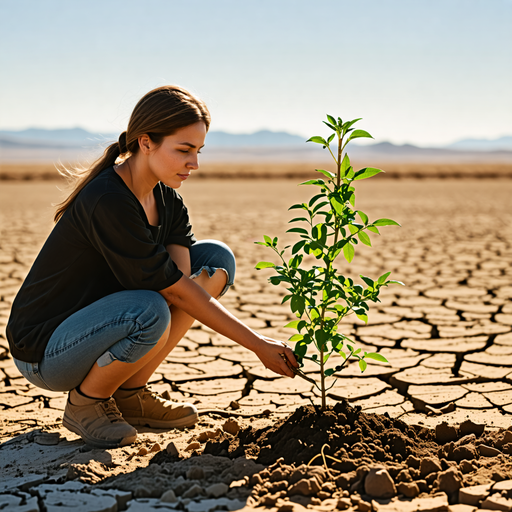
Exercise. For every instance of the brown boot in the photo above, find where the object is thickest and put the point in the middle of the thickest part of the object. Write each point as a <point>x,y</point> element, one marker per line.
<point>146,407</point>
<point>98,422</point>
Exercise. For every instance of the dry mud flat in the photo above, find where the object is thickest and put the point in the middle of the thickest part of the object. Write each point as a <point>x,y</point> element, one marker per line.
<point>447,335</point>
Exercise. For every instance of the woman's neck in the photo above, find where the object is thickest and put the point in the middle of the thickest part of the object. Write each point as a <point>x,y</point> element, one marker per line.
<point>138,178</point>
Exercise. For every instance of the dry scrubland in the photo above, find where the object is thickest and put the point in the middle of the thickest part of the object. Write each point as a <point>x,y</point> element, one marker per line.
<point>447,335</point>
<point>297,170</point>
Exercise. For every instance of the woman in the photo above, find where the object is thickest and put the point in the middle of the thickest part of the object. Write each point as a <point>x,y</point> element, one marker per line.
<point>121,279</point>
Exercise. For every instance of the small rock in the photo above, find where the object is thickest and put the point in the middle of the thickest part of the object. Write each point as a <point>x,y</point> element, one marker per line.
<point>408,489</point>
<point>217,490</point>
<point>305,487</point>
<point>473,495</point>
<point>466,467</point>
<point>169,497</point>
<point>344,503</point>
<point>172,450</point>
<point>193,491</point>
<point>231,426</point>
<point>488,451</point>
<point>449,481</point>
<point>195,473</point>
<point>445,433</point>
<point>234,405</point>
<point>468,427</point>
<point>429,465</point>
<point>413,462</point>
<point>364,506</point>
<point>448,408</point>
<point>497,502</point>
<point>470,438</point>
<point>467,452</point>
<point>459,507</point>
<point>379,484</point>
<point>506,485</point>
<point>193,446</point>
<point>155,448</point>
<point>142,451</point>
<point>47,439</point>
<point>432,410</point>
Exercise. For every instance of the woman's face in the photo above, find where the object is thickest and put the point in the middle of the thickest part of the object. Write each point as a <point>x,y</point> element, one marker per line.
<point>177,156</point>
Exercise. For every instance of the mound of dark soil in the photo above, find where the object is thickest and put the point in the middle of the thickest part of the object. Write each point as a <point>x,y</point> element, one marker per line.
<point>369,456</point>
<point>349,433</point>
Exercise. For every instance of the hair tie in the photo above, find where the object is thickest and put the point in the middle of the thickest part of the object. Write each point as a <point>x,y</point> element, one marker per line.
<point>122,143</point>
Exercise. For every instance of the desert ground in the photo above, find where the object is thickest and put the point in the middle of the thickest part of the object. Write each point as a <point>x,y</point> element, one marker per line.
<point>447,335</point>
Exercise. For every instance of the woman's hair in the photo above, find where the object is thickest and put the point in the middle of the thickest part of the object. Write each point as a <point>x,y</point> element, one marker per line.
<point>159,113</point>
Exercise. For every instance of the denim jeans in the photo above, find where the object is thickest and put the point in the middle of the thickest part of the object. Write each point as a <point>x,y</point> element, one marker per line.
<point>123,326</point>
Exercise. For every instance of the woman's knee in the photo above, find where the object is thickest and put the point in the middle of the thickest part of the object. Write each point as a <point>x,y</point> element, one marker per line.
<point>211,255</point>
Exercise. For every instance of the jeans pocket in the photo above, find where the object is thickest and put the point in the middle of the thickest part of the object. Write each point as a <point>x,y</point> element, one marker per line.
<point>32,373</point>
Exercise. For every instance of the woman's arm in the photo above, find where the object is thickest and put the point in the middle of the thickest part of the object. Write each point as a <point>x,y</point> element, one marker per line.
<point>181,256</point>
<point>191,298</point>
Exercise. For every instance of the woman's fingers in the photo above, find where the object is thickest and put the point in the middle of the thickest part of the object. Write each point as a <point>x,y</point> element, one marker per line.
<point>291,356</point>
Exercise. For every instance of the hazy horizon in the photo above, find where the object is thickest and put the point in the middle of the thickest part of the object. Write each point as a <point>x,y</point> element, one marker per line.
<point>428,74</point>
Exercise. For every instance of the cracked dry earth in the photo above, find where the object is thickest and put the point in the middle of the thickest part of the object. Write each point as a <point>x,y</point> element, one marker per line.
<point>447,335</point>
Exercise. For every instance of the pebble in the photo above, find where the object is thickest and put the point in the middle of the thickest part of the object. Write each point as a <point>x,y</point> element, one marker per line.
<point>449,481</point>
<point>408,489</point>
<point>379,484</point>
<point>217,490</point>
<point>429,465</point>
<point>195,473</point>
<point>192,492</point>
<point>169,497</point>
<point>473,495</point>
<point>231,426</point>
<point>193,446</point>
<point>47,439</point>
<point>497,502</point>
<point>172,450</point>
<point>488,451</point>
<point>142,451</point>
<point>305,487</point>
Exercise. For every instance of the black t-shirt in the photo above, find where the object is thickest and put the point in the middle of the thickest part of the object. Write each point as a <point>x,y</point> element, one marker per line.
<point>102,244</point>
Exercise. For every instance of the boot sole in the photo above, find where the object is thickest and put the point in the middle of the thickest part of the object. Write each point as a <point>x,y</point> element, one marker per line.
<point>186,421</point>
<point>93,441</point>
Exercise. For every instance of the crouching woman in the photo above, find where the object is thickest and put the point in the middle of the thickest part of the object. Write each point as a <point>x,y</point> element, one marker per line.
<point>121,279</point>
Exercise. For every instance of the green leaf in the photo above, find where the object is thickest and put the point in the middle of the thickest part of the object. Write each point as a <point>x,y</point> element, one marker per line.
<point>385,222</point>
<point>363,216</point>
<point>362,365</point>
<point>345,165</point>
<point>298,246</point>
<point>267,239</point>
<point>293,324</point>
<point>396,282</point>
<point>331,119</point>
<point>330,126</point>
<point>313,182</point>
<point>264,264</point>
<point>337,205</point>
<point>301,206</point>
<point>353,229</point>
<point>383,277</point>
<point>327,174</point>
<point>363,317</point>
<point>367,280</point>
<point>352,200</point>
<point>300,349</point>
<point>298,219</point>
<point>367,172</point>
<point>297,304</point>
<point>356,134</point>
<point>296,337</point>
<point>329,372</point>
<point>348,124</point>
<point>365,239</point>
<point>376,357</point>
<point>329,140</point>
<point>318,140</point>
<point>348,252</point>
<point>373,229</point>
<point>297,230</point>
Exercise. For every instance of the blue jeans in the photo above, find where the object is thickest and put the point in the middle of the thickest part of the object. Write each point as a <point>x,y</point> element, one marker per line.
<point>123,326</point>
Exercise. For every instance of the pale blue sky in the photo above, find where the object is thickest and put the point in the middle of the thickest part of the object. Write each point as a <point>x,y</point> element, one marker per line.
<point>420,71</point>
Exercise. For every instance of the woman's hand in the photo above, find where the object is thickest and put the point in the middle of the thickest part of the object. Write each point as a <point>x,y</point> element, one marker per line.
<point>275,355</point>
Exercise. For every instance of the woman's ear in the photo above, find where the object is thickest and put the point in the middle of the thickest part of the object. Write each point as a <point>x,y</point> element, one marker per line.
<point>145,144</point>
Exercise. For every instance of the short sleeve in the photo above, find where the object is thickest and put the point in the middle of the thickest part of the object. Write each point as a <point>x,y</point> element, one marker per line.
<point>119,233</point>
<point>180,230</point>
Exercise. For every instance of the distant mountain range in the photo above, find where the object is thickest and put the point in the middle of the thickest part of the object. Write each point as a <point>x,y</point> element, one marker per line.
<point>72,143</point>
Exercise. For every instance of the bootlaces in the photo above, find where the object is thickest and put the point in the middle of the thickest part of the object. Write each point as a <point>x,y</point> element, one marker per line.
<point>111,411</point>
